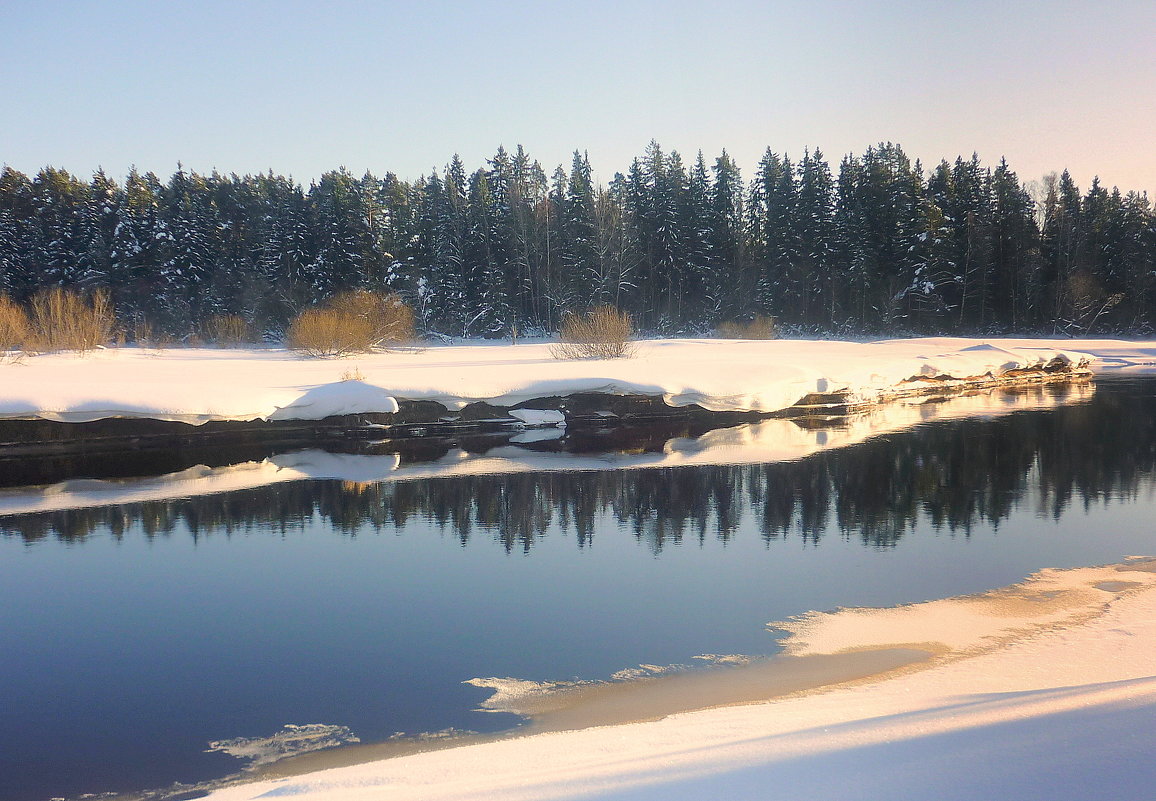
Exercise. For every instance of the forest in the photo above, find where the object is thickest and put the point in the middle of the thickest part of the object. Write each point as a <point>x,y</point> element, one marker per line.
<point>879,246</point>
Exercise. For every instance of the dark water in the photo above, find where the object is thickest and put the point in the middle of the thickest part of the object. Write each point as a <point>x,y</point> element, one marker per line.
<point>133,635</point>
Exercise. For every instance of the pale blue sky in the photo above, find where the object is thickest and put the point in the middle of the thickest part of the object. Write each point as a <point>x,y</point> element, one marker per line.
<point>302,87</point>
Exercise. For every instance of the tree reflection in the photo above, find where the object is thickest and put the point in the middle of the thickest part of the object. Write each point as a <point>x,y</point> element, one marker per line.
<point>951,475</point>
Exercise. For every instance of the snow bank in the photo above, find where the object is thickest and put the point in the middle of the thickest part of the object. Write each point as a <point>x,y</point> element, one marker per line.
<point>753,443</point>
<point>197,385</point>
<point>1054,706</point>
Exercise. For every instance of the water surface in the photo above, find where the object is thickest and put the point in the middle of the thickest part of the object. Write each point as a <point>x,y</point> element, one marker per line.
<point>135,634</point>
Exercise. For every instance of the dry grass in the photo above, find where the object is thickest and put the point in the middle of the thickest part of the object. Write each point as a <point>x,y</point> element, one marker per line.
<point>761,327</point>
<point>15,328</point>
<point>352,322</point>
<point>227,330</point>
<point>602,333</point>
<point>66,320</point>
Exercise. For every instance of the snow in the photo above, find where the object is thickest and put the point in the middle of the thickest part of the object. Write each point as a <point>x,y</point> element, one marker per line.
<point>1056,705</point>
<point>538,418</point>
<point>196,385</point>
<point>763,442</point>
<point>1043,690</point>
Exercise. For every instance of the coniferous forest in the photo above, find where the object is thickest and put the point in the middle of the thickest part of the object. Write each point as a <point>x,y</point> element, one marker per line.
<point>879,244</point>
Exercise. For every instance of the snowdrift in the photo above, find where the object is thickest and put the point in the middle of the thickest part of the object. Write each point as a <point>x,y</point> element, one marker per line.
<point>198,385</point>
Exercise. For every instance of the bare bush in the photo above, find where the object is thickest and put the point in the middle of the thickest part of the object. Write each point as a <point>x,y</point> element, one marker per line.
<point>145,335</point>
<point>602,333</point>
<point>227,330</point>
<point>761,327</point>
<point>15,327</point>
<point>391,319</point>
<point>66,320</point>
<point>352,322</point>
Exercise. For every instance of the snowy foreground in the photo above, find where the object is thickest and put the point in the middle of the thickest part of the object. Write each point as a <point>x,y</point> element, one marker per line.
<point>1044,690</point>
<point>198,385</point>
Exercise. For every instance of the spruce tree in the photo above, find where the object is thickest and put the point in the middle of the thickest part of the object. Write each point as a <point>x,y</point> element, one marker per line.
<point>815,235</point>
<point>579,249</point>
<point>733,285</point>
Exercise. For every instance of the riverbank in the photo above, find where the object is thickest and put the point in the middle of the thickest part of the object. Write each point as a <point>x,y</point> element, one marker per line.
<point>272,392</point>
<point>1041,690</point>
<point>33,485</point>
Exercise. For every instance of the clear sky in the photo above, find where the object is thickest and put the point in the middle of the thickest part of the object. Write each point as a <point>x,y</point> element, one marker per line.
<point>302,87</point>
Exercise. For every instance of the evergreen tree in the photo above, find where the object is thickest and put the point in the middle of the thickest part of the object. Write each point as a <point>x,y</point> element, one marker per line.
<point>185,236</point>
<point>733,286</point>
<point>56,240</point>
<point>1062,245</point>
<point>135,280</point>
<point>579,249</point>
<point>98,219</point>
<point>814,223</point>
<point>704,298</point>
<point>17,278</point>
<point>781,289</point>
<point>1015,252</point>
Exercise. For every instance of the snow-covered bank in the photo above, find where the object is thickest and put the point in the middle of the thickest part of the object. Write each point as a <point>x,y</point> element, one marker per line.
<point>1048,691</point>
<point>199,385</point>
<point>764,442</point>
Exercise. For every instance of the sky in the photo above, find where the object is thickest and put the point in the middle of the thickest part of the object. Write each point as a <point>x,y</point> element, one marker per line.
<point>300,88</point>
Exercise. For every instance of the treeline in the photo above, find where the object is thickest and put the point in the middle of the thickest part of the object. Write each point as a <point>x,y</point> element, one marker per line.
<point>953,476</point>
<point>882,246</point>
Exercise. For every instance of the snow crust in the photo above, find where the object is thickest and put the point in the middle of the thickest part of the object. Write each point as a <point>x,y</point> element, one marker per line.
<point>290,740</point>
<point>1054,706</point>
<point>197,385</point>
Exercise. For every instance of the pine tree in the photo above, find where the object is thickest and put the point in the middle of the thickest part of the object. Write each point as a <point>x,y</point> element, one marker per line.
<point>488,311</point>
<point>57,241</point>
<point>773,235</point>
<point>1062,244</point>
<point>134,279</point>
<point>98,218</point>
<point>733,286</point>
<point>704,300</point>
<point>1129,261</point>
<point>339,261</point>
<point>1015,252</point>
<point>185,240</point>
<point>17,279</point>
<point>814,224</point>
<point>579,249</point>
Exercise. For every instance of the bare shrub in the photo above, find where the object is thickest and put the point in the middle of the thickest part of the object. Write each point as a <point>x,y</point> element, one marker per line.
<point>67,320</point>
<point>145,335</point>
<point>15,327</point>
<point>352,322</point>
<point>602,333</point>
<point>761,327</point>
<point>227,330</point>
<point>391,319</point>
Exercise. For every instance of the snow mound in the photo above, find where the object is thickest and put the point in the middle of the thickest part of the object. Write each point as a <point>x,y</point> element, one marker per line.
<point>329,400</point>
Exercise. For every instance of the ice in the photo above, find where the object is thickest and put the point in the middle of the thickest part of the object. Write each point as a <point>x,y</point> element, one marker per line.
<point>1062,711</point>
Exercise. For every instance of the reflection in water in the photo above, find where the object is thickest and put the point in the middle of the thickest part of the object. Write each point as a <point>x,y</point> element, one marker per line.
<point>164,616</point>
<point>954,475</point>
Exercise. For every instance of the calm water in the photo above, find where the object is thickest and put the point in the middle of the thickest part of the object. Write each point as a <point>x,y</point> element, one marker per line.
<point>131,636</point>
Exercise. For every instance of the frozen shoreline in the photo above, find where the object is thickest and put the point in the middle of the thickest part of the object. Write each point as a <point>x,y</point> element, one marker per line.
<point>764,442</point>
<point>199,385</point>
<point>1041,690</point>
